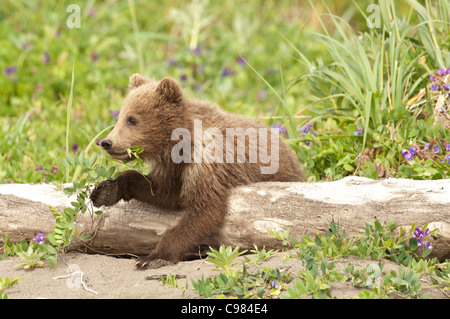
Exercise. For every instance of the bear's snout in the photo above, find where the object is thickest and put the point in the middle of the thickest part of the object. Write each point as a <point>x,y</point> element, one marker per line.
<point>106,144</point>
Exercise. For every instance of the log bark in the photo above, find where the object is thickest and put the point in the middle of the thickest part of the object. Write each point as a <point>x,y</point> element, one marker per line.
<point>135,228</point>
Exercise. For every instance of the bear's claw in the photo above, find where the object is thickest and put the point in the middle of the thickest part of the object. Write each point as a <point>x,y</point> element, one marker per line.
<point>105,194</point>
<point>146,262</point>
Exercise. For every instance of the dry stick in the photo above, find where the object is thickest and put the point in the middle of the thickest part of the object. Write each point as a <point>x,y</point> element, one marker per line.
<point>81,280</point>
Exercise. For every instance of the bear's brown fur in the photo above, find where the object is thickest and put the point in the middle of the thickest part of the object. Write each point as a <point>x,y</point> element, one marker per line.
<point>150,113</point>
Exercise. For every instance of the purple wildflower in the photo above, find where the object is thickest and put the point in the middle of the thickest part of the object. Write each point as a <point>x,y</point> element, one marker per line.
<point>226,71</point>
<point>434,87</point>
<point>281,129</point>
<point>99,143</point>
<point>39,167</point>
<point>241,61</point>
<point>197,51</point>
<point>183,78</point>
<point>436,149</point>
<point>418,233</point>
<point>47,58</point>
<point>409,154</point>
<point>446,158</point>
<point>441,72</point>
<point>419,242</point>
<point>171,62</point>
<point>359,131</point>
<point>114,113</point>
<point>39,238</point>
<point>9,71</point>
<point>432,78</point>
<point>305,129</point>
<point>274,284</point>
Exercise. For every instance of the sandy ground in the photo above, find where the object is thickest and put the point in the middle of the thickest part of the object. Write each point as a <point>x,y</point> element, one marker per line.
<point>114,278</point>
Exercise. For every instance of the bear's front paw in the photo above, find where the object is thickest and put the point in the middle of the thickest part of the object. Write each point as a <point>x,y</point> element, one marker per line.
<point>106,193</point>
<point>150,263</point>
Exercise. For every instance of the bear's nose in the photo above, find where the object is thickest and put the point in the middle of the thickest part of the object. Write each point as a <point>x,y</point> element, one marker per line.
<point>106,144</point>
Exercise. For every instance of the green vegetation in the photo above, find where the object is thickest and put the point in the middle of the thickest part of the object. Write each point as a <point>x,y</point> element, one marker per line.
<point>318,256</point>
<point>356,91</point>
<point>371,94</point>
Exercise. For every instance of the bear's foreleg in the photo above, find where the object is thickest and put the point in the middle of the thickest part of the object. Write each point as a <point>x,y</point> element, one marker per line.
<point>203,217</point>
<point>133,185</point>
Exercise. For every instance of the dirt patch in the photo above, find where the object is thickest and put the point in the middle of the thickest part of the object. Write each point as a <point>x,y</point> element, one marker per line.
<point>113,278</point>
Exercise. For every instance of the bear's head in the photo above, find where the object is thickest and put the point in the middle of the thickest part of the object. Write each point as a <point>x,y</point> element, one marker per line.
<point>149,114</point>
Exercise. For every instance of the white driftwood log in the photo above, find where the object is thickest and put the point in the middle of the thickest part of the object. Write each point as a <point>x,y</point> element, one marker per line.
<point>135,228</point>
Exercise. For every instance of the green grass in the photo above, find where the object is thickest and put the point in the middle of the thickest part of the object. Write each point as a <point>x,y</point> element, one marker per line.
<point>312,62</point>
<point>115,40</point>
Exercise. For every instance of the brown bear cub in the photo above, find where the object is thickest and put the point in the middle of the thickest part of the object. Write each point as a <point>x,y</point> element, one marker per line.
<point>197,152</point>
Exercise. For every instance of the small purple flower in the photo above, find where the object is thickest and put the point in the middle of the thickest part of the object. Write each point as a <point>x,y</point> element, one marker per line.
<point>428,246</point>
<point>99,143</point>
<point>183,78</point>
<point>241,61</point>
<point>74,148</point>
<point>274,285</point>
<point>226,72</point>
<point>10,70</point>
<point>359,131</point>
<point>171,62</point>
<point>446,158</point>
<point>435,87</point>
<point>281,129</point>
<point>441,72</point>
<point>39,238</point>
<point>432,78</point>
<point>39,167</point>
<point>420,233</point>
<point>47,58</point>
<point>417,233</point>
<point>114,113</point>
<point>447,147</point>
<point>305,129</point>
<point>409,154</point>
<point>419,242</point>
<point>436,149</point>
<point>447,87</point>
<point>197,51</point>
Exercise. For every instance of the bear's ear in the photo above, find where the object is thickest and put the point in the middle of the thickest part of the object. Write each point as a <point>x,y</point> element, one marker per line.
<point>137,80</point>
<point>169,89</point>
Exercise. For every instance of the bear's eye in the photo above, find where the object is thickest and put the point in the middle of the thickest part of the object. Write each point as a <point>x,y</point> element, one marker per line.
<point>131,120</point>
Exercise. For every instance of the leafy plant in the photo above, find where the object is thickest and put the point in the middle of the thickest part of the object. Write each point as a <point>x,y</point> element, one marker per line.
<point>7,283</point>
